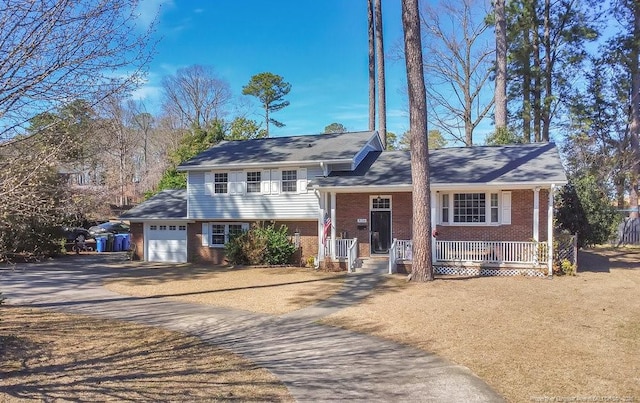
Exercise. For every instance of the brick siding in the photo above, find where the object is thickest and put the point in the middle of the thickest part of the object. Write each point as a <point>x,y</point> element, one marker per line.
<point>137,239</point>
<point>308,242</point>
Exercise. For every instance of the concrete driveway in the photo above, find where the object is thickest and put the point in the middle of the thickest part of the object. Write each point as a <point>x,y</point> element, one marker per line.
<point>316,362</point>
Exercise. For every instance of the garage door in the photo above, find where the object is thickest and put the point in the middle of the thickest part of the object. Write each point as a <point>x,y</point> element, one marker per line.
<point>167,242</point>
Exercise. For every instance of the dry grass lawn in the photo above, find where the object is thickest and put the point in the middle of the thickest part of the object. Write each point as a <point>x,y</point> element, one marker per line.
<point>264,290</point>
<point>47,356</point>
<point>527,337</point>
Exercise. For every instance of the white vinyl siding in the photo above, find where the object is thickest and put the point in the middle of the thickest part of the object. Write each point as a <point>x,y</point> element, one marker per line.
<point>269,204</point>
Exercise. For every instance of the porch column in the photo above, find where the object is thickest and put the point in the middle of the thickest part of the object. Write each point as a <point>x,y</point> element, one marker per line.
<point>321,212</point>
<point>536,214</point>
<point>434,221</point>
<point>550,230</point>
<point>333,225</point>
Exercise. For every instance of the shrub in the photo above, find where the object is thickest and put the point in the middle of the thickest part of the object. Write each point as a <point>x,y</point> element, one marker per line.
<point>261,245</point>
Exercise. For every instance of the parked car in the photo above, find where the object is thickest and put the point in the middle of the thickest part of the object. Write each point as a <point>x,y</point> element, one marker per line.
<point>109,228</point>
<point>76,233</point>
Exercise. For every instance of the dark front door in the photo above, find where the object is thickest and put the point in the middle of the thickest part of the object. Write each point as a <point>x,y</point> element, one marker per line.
<point>380,231</point>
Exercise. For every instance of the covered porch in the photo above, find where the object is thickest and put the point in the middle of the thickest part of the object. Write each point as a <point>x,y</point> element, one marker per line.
<point>514,238</point>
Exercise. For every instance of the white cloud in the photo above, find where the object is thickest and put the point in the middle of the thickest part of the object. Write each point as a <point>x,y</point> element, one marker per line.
<point>149,10</point>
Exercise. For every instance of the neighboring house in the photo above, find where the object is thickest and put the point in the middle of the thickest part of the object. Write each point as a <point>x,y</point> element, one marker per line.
<point>347,200</point>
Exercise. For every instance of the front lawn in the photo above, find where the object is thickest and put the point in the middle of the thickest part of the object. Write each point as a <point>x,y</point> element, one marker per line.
<point>529,338</point>
<point>276,290</point>
<point>48,356</point>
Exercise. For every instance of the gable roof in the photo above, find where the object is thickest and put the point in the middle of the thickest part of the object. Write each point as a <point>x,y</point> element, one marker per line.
<point>166,205</point>
<point>335,147</point>
<point>481,165</point>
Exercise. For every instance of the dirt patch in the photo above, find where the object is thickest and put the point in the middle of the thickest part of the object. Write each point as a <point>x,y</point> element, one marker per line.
<point>264,290</point>
<point>47,356</point>
<point>527,337</point>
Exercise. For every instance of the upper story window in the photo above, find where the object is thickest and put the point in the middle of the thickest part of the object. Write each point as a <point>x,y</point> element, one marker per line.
<point>470,208</point>
<point>220,182</point>
<point>289,181</point>
<point>253,182</point>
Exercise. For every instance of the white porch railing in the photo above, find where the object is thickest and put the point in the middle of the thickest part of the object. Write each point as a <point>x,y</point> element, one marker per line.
<point>492,251</point>
<point>496,252</point>
<point>345,249</point>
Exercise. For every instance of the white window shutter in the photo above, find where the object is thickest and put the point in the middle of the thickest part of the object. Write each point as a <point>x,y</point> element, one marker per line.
<point>506,207</point>
<point>302,180</point>
<point>205,234</point>
<point>241,182</point>
<point>265,182</point>
<point>275,181</point>
<point>208,183</point>
<point>232,186</point>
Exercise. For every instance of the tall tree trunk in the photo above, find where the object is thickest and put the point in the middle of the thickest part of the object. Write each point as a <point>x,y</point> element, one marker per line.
<point>382,116</point>
<point>548,73</point>
<point>500,95</point>
<point>422,265</point>
<point>537,77</point>
<point>266,119</point>
<point>634,127</point>
<point>372,68</point>
<point>526,85</point>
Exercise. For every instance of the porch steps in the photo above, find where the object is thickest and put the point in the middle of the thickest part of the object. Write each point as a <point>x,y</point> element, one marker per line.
<point>378,265</point>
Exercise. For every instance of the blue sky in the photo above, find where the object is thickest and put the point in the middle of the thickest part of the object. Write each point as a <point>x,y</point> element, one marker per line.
<point>320,47</point>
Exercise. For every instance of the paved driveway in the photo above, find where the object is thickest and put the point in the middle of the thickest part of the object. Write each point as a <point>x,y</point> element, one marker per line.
<point>316,362</point>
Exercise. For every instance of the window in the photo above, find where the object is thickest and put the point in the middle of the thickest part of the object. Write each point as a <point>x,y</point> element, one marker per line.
<point>217,234</point>
<point>253,182</point>
<point>220,182</point>
<point>163,228</point>
<point>469,207</point>
<point>289,181</point>
<point>381,203</point>
<point>234,229</point>
<point>445,208</point>
<point>221,233</point>
<point>153,227</point>
<point>182,227</point>
<point>172,227</point>
<point>494,207</point>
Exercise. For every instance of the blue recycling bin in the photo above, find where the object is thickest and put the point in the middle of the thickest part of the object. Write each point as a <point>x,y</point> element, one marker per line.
<point>101,244</point>
<point>117,242</point>
<point>126,241</point>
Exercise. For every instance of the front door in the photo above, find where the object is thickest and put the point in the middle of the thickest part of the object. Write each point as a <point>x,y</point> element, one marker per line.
<point>380,224</point>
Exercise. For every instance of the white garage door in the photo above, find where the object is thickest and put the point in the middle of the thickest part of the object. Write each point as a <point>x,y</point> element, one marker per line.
<point>167,242</point>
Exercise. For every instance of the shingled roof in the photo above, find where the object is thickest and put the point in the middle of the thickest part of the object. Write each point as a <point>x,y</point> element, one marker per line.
<point>514,164</point>
<point>170,204</point>
<point>336,147</point>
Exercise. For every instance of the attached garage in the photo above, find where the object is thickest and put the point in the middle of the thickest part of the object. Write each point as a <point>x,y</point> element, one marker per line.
<point>159,227</point>
<point>166,242</point>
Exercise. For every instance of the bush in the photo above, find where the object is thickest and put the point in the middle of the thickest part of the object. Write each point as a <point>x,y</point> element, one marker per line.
<point>261,245</point>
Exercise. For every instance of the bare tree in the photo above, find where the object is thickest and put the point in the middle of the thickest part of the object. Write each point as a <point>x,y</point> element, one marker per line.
<point>120,142</point>
<point>56,51</point>
<point>197,95</point>
<point>382,98</point>
<point>500,97</point>
<point>372,68</point>
<point>422,269</point>
<point>51,53</point>
<point>457,66</point>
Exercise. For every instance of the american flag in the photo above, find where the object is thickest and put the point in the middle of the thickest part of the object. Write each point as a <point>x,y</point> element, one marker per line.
<point>327,228</point>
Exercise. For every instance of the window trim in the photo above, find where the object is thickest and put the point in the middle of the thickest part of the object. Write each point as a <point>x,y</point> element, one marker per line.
<point>254,182</point>
<point>245,227</point>
<point>226,183</point>
<point>488,209</point>
<point>289,181</point>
